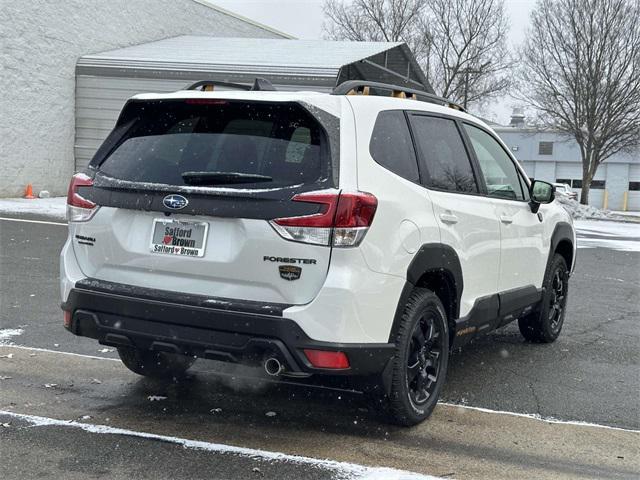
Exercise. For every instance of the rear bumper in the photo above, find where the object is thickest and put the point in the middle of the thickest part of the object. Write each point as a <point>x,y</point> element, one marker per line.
<point>214,328</point>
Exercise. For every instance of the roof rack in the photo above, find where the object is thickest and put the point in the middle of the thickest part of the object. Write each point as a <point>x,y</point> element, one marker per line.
<point>363,87</point>
<point>259,84</point>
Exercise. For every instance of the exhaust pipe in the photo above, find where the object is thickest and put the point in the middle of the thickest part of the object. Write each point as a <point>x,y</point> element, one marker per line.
<point>273,366</point>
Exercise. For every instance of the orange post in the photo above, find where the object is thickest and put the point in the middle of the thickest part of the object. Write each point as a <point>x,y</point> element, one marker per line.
<point>28,193</point>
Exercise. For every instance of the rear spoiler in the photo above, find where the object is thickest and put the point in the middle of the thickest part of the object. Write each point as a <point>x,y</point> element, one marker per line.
<point>259,85</point>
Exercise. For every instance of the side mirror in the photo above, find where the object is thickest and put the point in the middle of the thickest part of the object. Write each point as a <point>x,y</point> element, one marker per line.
<point>540,192</point>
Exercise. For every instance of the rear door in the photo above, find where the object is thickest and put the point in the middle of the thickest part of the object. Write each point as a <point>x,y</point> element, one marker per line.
<point>467,219</point>
<point>524,255</point>
<point>187,187</point>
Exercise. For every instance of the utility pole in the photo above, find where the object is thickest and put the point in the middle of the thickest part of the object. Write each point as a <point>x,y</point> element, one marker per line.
<point>466,72</point>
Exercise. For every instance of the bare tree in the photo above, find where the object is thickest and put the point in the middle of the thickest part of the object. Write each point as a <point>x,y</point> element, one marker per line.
<point>580,70</point>
<point>375,20</point>
<point>460,44</point>
<point>466,50</point>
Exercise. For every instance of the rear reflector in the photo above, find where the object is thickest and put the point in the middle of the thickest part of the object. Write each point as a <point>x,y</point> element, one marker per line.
<point>66,318</point>
<point>79,209</point>
<point>343,221</point>
<point>327,359</point>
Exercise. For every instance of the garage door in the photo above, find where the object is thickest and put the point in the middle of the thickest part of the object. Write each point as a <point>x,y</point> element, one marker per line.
<point>566,172</point>
<point>572,171</point>
<point>569,170</point>
<point>633,201</point>
<point>596,195</point>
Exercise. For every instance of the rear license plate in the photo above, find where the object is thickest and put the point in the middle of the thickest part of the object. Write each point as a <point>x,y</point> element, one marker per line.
<point>176,237</point>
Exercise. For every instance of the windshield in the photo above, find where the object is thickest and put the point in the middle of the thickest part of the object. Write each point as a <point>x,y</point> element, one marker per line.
<point>175,142</point>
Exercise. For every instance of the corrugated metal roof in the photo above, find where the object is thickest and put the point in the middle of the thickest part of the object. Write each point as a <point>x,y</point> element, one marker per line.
<point>213,51</point>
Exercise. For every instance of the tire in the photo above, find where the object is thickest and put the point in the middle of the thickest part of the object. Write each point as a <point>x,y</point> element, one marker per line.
<point>544,324</point>
<point>155,364</point>
<point>420,361</point>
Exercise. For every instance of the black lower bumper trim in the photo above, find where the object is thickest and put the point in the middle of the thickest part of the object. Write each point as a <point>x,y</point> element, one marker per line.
<point>219,303</point>
<point>156,321</point>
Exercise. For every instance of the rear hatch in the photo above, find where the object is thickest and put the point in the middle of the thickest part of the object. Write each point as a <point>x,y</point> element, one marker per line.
<point>186,188</point>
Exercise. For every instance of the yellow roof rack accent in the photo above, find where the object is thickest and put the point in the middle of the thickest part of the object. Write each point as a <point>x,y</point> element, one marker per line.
<point>363,87</point>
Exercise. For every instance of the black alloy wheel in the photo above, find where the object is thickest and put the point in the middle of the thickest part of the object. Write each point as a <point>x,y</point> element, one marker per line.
<point>423,365</point>
<point>558,300</point>
<point>544,324</point>
<point>419,365</point>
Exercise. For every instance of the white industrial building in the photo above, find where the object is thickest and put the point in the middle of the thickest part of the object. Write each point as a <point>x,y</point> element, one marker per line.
<point>551,156</point>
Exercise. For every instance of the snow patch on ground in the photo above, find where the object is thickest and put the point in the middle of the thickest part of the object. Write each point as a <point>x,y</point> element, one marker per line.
<point>626,214</point>
<point>609,229</point>
<point>47,350</point>
<point>8,333</point>
<point>343,470</point>
<point>608,234</point>
<point>55,208</point>
<point>156,398</point>
<point>538,417</point>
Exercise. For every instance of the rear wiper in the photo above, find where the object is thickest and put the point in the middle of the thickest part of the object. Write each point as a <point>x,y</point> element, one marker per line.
<point>223,178</point>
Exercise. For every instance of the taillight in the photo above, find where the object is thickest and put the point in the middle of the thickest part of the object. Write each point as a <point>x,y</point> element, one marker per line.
<point>79,209</point>
<point>343,222</point>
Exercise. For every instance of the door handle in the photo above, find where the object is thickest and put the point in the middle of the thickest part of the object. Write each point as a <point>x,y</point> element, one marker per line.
<point>505,219</point>
<point>448,218</point>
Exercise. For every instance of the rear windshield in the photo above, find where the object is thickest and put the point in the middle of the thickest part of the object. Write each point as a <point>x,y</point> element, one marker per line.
<point>281,144</point>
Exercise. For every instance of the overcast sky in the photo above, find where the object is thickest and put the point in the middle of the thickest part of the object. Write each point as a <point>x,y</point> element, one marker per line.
<point>304,18</point>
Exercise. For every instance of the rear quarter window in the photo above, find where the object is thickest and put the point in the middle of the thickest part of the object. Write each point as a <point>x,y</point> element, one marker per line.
<point>391,145</point>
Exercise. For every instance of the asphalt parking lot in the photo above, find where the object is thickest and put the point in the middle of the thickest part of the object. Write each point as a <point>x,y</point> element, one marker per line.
<point>589,375</point>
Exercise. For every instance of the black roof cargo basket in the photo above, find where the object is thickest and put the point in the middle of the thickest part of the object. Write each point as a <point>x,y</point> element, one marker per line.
<point>363,87</point>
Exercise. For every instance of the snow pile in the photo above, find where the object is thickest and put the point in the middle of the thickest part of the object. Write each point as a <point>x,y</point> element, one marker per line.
<point>54,208</point>
<point>579,211</point>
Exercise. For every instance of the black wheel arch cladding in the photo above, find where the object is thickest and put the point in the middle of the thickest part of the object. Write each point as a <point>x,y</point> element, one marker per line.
<point>438,261</point>
<point>433,262</point>
<point>562,243</point>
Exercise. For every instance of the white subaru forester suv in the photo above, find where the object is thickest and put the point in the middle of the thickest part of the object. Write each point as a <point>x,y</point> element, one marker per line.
<point>353,233</point>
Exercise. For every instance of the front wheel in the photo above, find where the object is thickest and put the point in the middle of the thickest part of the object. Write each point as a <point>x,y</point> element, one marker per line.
<point>155,364</point>
<point>544,324</point>
<point>420,361</point>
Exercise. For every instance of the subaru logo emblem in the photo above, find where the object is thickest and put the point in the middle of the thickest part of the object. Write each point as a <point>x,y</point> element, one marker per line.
<point>175,202</point>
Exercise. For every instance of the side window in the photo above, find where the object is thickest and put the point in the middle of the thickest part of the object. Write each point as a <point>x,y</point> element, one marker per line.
<point>443,155</point>
<point>499,172</point>
<point>391,145</point>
